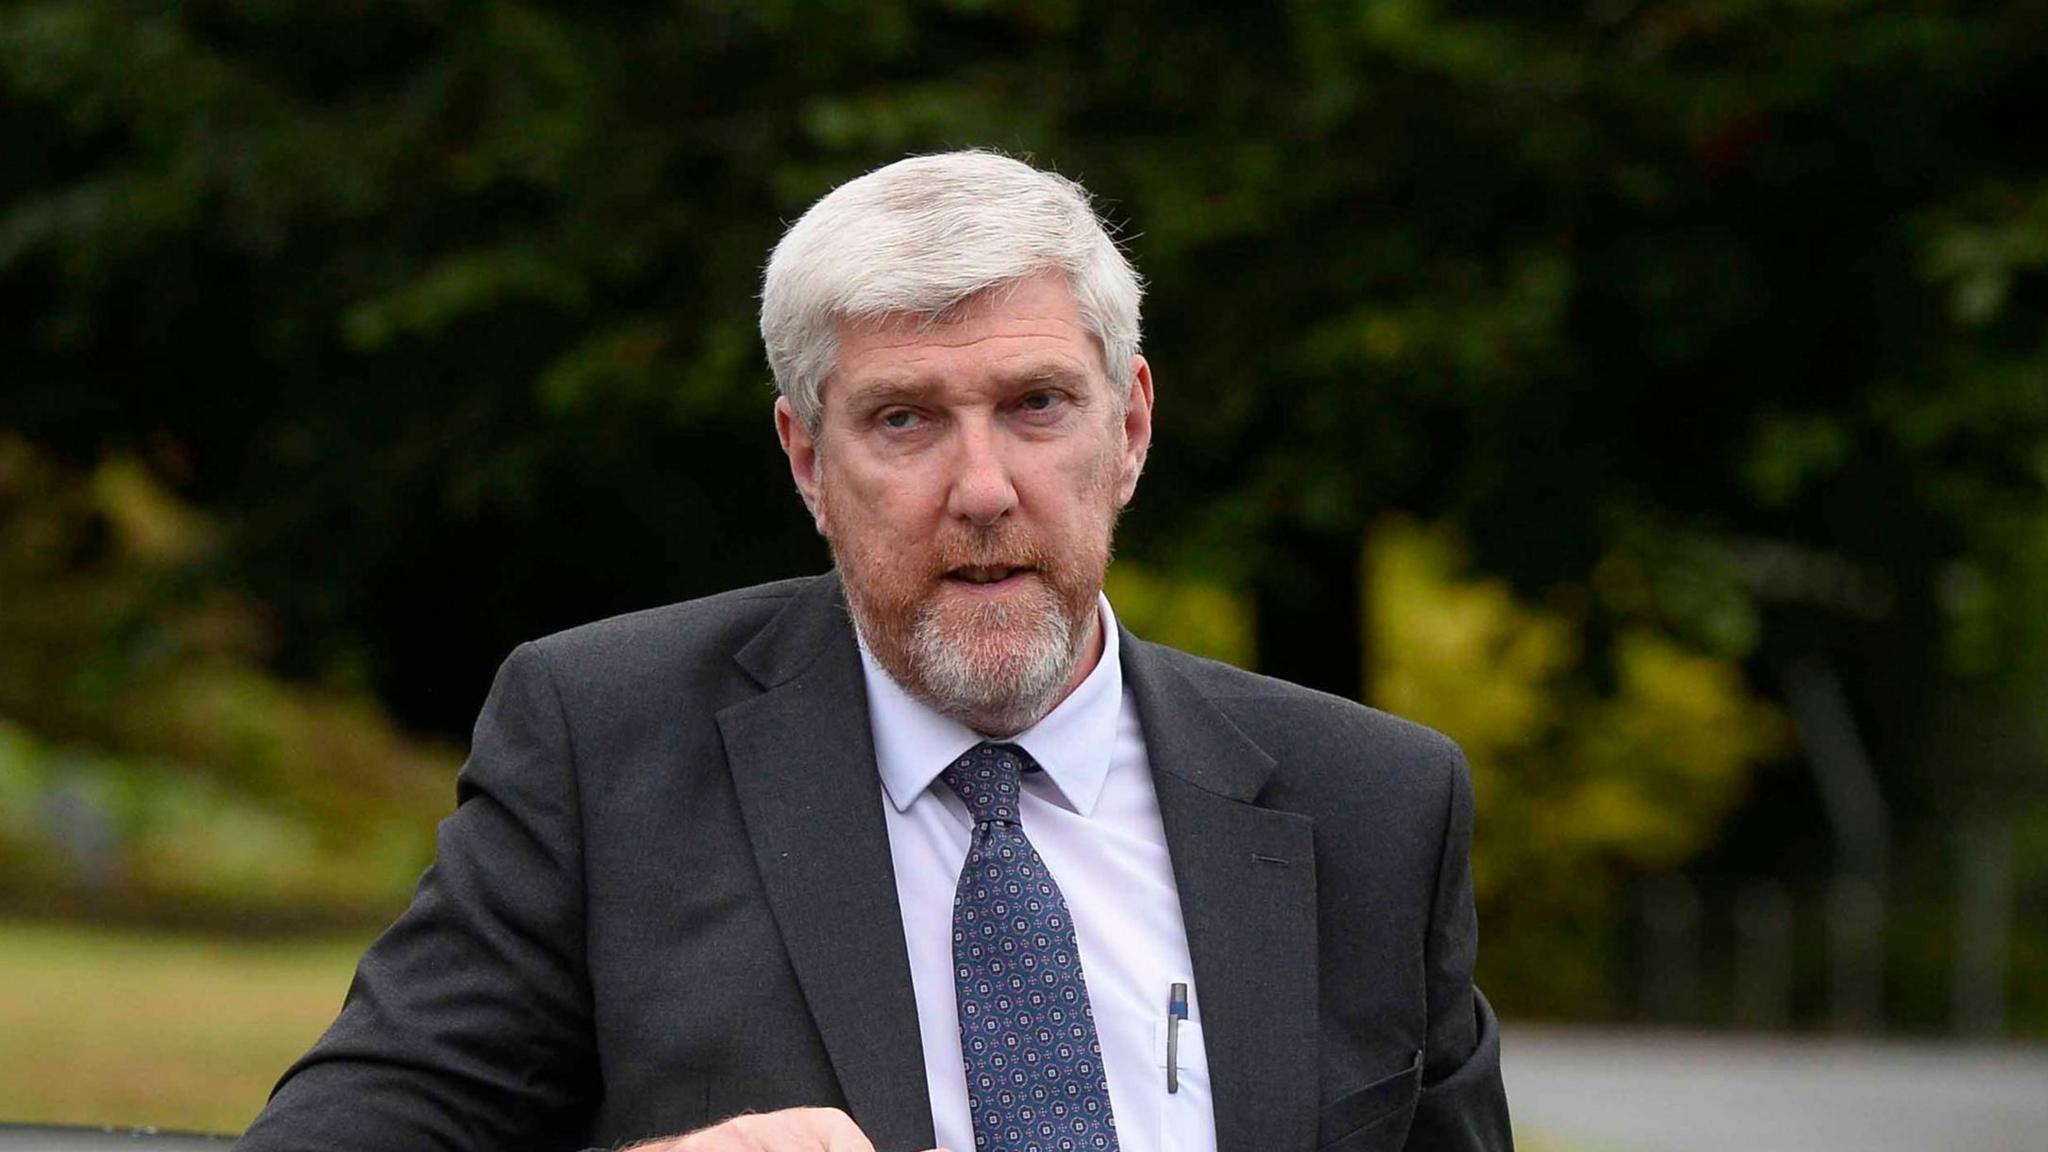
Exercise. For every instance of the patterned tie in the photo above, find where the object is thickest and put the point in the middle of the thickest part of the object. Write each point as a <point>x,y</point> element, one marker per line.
<point>1027,1035</point>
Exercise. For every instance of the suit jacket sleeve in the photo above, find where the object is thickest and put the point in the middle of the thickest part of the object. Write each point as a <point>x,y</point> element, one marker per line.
<point>468,1025</point>
<point>1463,1103</point>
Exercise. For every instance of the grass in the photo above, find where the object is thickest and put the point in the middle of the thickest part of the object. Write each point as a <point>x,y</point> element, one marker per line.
<point>109,1027</point>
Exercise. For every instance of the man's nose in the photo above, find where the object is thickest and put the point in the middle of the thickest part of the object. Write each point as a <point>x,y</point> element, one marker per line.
<point>982,492</point>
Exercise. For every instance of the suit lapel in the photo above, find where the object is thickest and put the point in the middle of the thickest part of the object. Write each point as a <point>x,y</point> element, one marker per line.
<point>803,767</point>
<point>1248,895</point>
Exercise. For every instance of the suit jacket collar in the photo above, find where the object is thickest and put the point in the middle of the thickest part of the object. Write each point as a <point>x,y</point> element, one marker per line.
<point>1186,735</point>
<point>803,769</point>
<point>814,623</point>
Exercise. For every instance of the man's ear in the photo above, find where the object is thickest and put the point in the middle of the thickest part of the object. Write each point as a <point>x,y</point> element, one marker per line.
<point>1137,429</point>
<point>802,450</point>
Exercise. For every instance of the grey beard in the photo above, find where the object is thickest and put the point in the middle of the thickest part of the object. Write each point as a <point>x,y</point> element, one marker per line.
<point>990,687</point>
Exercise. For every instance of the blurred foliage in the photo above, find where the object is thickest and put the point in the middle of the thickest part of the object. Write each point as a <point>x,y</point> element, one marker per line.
<point>457,285</point>
<point>1713,331</point>
<point>1583,773</point>
<point>1188,613</point>
<point>1589,766</point>
<point>2028,1003</point>
<point>449,290</point>
<point>148,765</point>
<point>1575,766</point>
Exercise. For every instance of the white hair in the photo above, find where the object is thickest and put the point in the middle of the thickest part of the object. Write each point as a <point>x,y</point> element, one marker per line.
<point>923,236</point>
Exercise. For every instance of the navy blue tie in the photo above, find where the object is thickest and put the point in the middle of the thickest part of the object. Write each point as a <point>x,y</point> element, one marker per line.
<point>1027,1035</point>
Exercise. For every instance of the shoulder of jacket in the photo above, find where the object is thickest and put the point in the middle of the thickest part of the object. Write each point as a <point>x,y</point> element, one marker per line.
<point>1283,716</point>
<point>722,621</point>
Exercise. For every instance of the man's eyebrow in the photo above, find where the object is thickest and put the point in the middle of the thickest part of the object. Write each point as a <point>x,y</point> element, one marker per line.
<point>887,389</point>
<point>1045,374</point>
<point>890,389</point>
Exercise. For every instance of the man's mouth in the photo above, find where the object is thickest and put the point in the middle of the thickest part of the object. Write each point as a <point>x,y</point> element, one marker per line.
<point>984,574</point>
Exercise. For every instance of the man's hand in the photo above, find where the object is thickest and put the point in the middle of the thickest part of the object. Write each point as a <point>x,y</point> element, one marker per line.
<point>790,1130</point>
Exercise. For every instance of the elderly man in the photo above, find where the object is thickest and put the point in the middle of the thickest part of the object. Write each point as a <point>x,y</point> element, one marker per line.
<point>927,850</point>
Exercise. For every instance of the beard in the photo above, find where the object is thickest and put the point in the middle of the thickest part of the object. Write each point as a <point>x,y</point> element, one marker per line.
<point>996,664</point>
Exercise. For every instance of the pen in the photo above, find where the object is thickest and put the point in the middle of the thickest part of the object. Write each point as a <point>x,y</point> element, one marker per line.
<point>1176,1011</point>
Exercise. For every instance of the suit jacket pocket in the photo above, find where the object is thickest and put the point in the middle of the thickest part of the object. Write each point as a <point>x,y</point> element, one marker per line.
<point>1357,1121</point>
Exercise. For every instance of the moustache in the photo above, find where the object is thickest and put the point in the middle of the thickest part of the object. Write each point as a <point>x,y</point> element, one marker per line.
<point>990,548</point>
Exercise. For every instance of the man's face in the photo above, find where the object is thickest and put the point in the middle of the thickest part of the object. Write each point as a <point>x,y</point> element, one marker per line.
<point>968,474</point>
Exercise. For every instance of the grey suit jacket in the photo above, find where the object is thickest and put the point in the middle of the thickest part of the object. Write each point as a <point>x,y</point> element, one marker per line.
<point>665,898</point>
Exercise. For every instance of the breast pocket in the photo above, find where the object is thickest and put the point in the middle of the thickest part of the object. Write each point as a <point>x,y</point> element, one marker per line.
<point>1375,1116</point>
<point>1186,1123</point>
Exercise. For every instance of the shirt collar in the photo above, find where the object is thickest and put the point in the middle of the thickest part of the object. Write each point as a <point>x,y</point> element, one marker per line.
<point>914,743</point>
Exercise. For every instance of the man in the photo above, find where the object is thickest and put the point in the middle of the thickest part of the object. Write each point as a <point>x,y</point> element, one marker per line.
<point>927,850</point>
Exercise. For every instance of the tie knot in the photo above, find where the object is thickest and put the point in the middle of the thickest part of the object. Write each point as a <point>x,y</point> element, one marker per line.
<point>987,778</point>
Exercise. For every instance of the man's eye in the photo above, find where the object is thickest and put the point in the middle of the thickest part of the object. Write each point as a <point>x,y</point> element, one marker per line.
<point>1040,401</point>
<point>899,419</point>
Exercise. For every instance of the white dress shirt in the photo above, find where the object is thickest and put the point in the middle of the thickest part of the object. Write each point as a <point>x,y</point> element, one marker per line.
<point>1094,818</point>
